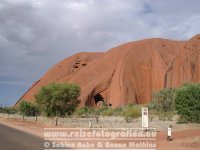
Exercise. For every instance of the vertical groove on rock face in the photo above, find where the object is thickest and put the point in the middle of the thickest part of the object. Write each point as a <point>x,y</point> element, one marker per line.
<point>167,73</point>
<point>186,66</point>
<point>127,73</point>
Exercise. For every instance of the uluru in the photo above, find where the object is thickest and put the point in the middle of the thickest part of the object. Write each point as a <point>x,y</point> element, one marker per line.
<point>128,73</point>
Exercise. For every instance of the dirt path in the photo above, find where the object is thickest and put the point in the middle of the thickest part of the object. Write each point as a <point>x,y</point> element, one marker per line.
<point>183,140</point>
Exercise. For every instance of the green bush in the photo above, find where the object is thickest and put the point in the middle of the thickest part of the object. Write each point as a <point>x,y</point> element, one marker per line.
<point>101,109</point>
<point>163,104</point>
<point>163,100</point>
<point>107,112</point>
<point>187,100</point>
<point>28,108</point>
<point>166,116</point>
<point>58,99</point>
<point>131,112</point>
<point>84,111</point>
<point>117,111</point>
<point>104,110</point>
<point>8,110</point>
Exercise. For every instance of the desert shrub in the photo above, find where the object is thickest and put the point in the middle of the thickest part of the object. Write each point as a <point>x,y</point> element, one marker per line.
<point>117,111</point>
<point>104,107</point>
<point>101,109</point>
<point>131,112</point>
<point>104,110</point>
<point>166,116</point>
<point>187,100</point>
<point>8,110</point>
<point>163,100</point>
<point>58,99</point>
<point>84,111</point>
<point>107,112</point>
<point>163,104</point>
<point>28,108</point>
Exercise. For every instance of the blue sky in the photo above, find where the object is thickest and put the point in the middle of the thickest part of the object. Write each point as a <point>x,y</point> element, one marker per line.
<point>36,34</point>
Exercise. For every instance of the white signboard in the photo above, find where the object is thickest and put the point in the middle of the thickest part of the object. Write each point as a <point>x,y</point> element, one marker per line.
<point>169,132</point>
<point>145,114</point>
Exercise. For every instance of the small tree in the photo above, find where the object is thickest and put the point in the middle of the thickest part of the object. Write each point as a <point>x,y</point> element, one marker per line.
<point>163,100</point>
<point>187,100</point>
<point>58,99</point>
<point>163,104</point>
<point>28,109</point>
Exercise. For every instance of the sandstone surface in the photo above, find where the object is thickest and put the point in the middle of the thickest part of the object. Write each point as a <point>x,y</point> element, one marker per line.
<point>126,73</point>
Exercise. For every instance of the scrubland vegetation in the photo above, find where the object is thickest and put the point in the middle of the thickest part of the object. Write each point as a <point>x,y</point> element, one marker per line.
<point>62,100</point>
<point>183,101</point>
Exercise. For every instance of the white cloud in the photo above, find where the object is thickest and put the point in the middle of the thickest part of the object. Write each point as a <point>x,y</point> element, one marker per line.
<point>35,34</point>
<point>37,4</point>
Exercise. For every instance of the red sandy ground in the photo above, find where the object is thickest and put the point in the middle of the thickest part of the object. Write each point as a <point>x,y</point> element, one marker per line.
<point>183,140</point>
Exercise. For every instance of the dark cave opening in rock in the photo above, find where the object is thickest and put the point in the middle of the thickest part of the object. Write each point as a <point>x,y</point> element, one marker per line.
<point>98,98</point>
